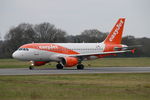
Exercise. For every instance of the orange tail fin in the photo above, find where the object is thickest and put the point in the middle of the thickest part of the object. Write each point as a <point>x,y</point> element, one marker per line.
<point>115,36</point>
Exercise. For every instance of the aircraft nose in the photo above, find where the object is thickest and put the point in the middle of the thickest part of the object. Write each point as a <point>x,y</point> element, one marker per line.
<point>16,55</point>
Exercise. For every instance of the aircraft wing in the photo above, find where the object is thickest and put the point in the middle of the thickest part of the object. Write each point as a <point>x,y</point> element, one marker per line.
<point>101,53</point>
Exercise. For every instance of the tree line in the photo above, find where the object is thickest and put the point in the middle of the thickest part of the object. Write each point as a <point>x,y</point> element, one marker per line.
<point>47,33</point>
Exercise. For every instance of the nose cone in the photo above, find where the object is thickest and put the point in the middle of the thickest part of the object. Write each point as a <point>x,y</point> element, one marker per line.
<point>19,55</point>
<point>14,55</point>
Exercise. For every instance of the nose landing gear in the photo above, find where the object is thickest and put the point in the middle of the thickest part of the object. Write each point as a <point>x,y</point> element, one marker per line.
<point>31,67</point>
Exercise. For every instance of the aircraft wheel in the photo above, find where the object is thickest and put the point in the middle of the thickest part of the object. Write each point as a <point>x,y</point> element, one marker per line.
<point>80,66</point>
<point>59,66</point>
<point>31,67</point>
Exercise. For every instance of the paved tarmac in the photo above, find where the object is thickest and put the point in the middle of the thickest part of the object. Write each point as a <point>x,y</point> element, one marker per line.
<point>26,71</point>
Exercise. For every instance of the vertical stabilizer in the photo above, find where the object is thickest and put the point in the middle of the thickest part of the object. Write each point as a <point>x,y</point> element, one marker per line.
<point>115,36</point>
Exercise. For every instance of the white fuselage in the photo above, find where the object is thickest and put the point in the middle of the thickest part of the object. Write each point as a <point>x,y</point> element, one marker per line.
<point>42,55</point>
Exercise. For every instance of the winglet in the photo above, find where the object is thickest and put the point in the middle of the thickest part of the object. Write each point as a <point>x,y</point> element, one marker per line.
<point>115,36</point>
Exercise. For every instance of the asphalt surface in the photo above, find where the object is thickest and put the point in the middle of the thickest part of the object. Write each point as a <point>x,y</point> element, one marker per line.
<point>26,71</point>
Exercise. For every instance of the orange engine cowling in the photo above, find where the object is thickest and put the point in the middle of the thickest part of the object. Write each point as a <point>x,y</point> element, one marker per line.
<point>70,61</point>
<point>39,63</point>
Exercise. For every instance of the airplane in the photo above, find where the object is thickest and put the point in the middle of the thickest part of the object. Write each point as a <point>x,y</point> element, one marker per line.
<point>72,54</point>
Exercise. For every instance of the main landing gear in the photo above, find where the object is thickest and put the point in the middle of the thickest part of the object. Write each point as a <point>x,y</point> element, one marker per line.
<point>80,66</point>
<point>59,66</point>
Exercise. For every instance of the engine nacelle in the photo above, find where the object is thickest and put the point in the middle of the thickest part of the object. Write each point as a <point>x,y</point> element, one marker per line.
<point>69,61</point>
<point>39,63</point>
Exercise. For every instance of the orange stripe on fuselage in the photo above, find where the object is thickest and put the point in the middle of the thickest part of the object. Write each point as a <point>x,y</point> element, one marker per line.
<point>49,47</point>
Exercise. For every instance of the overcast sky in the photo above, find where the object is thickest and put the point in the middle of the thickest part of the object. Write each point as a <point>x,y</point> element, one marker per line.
<point>74,16</point>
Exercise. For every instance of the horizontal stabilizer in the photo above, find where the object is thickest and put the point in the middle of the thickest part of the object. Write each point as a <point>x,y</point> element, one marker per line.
<point>128,47</point>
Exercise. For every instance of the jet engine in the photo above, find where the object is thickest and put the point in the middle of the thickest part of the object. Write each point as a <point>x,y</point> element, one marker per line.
<point>69,61</point>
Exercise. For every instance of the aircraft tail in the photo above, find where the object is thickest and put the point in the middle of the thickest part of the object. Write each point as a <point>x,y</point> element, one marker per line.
<point>115,36</point>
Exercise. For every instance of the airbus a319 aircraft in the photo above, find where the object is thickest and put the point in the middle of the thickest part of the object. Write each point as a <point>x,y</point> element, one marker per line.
<point>72,54</point>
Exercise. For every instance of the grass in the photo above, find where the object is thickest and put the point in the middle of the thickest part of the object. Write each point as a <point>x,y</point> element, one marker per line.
<point>76,87</point>
<point>104,62</point>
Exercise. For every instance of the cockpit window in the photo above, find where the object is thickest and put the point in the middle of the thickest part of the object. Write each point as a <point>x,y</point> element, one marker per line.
<point>23,49</point>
